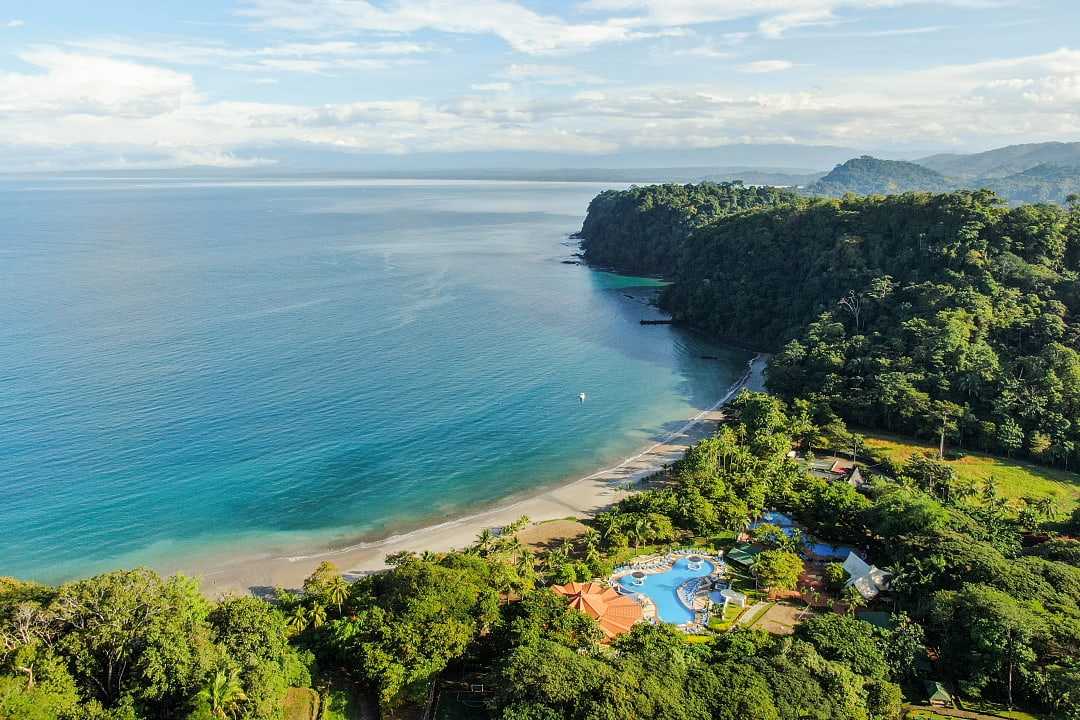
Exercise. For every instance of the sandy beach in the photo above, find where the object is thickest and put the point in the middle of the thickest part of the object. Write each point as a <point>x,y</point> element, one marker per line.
<point>580,498</point>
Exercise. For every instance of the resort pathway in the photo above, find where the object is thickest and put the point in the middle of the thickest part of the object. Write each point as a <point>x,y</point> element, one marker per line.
<point>949,712</point>
<point>752,613</point>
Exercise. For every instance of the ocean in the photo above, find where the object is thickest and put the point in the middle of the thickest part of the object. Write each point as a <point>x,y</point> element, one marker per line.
<point>195,368</point>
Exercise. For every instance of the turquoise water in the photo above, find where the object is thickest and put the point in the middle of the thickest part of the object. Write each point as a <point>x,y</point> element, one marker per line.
<point>192,369</point>
<point>661,589</point>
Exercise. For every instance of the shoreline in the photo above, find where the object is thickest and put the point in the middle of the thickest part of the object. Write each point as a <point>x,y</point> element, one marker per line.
<point>580,498</point>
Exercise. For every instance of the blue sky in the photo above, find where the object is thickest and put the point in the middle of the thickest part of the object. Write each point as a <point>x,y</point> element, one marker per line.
<point>234,84</point>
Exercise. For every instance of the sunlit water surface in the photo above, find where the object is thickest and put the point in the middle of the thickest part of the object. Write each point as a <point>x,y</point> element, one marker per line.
<point>199,368</point>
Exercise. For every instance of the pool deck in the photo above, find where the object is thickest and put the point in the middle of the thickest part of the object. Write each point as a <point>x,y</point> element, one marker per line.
<point>659,564</point>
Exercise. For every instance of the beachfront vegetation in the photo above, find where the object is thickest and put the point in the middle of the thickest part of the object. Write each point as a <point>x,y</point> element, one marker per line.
<point>129,644</point>
<point>972,606</point>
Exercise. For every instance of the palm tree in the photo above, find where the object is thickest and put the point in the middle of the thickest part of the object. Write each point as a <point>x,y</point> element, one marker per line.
<point>337,592</point>
<point>520,524</point>
<point>989,489</point>
<point>297,620</point>
<point>223,694</point>
<point>792,543</point>
<point>608,523</point>
<point>963,489</point>
<point>485,540</point>
<point>317,615</point>
<point>641,530</point>
<point>525,562</point>
<point>513,545</point>
<point>591,540</point>
<point>1046,507</point>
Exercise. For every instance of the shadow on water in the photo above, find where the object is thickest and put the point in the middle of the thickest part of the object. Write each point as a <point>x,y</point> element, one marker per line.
<point>706,368</point>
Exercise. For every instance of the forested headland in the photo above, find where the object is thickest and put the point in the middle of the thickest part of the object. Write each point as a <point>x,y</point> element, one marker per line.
<point>641,230</point>
<point>917,313</point>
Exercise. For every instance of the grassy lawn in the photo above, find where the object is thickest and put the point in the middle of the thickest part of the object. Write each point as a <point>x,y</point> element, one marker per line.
<point>341,701</point>
<point>301,704</point>
<point>758,614</point>
<point>721,624</point>
<point>981,706</point>
<point>1015,478</point>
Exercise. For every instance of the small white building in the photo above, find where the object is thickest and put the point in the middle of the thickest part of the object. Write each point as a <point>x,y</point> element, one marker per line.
<point>732,597</point>
<point>868,579</point>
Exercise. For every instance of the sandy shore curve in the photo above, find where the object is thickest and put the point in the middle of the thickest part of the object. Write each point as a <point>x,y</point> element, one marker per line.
<point>580,498</point>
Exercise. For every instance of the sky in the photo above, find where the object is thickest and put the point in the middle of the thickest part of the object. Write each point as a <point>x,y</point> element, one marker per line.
<point>251,83</point>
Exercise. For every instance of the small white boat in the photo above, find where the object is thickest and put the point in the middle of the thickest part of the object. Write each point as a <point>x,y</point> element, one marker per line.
<point>581,397</point>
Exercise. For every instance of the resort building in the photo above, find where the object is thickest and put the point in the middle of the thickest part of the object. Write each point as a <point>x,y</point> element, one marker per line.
<point>744,555</point>
<point>614,613</point>
<point>937,695</point>
<point>869,580</point>
<point>836,469</point>
<point>731,597</point>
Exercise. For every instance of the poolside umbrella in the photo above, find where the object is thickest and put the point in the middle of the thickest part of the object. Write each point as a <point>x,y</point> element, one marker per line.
<point>614,613</point>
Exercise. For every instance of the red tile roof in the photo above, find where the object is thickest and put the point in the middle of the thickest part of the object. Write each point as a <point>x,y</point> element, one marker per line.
<point>614,613</point>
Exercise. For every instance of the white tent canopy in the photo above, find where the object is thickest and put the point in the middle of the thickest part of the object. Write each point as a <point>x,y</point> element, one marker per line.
<point>869,580</point>
<point>732,597</point>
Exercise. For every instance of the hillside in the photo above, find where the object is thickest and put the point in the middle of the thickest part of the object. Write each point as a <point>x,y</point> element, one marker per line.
<point>1004,161</point>
<point>1042,183</point>
<point>1039,182</point>
<point>894,310</point>
<point>641,230</point>
<point>870,176</point>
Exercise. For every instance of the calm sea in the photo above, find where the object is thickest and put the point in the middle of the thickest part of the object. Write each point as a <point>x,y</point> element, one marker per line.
<point>197,367</point>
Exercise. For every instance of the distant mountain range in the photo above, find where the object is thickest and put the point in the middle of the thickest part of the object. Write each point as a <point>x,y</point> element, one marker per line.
<point>1004,161</point>
<point>1039,172</point>
<point>1044,172</point>
<point>868,175</point>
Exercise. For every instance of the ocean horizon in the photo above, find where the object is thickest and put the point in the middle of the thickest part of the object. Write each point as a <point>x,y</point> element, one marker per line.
<point>198,367</point>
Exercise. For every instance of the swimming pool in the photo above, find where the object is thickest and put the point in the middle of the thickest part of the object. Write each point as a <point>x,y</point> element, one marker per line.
<point>829,552</point>
<point>661,589</point>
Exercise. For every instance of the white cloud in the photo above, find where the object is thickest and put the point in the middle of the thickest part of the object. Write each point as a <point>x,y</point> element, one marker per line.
<point>318,57</point>
<point>492,87</point>
<point>522,28</point>
<point>777,25</point>
<point>78,104</point>
<point>895,32</point>
<point>776,17</point>
<point>550,74</point>
<point>529,31</point>
<point>766,66</point>
<point>87,85</point>
<point>14,23</point>
<point>704,51</point>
